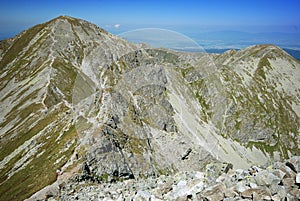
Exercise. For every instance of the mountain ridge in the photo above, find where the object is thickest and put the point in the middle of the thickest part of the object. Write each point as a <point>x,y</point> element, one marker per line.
<point>74,96</point>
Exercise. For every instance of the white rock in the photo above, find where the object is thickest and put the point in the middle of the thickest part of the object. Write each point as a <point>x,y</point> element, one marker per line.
<point>200,175</point>
<point>107,199</point>
<point>240,187</point>
<point>182,183</point>
<point>298,178</point>
<point>120,198</point>
<point>253,185</point>
<point>142,194</point>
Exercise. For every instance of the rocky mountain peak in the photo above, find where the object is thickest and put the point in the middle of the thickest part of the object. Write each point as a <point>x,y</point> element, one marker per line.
<point>267,50</point>
<point>79,100</point>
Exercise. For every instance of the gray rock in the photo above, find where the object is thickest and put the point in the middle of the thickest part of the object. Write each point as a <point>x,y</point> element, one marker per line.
<point>164,188</point>
<point>215,170</point>
<point>295,192</point>
<point>182,198</point>
<point>120,198</point>
<point>289,173</point>
<point>142,196</point>
<point>216,192</point>
<point>266,178</point>
<point>179,190</point>
<point>129,108</point>
<point>294,163</point>
<point>288,182</point>
<point>190,185</point>
<point>232,199</point>
<point>240,187</point>
<point>267,197</point>
<point>276,198</point>
<point>278,173</point>
<point>275,188</point>
<point>230,193</point>
<point>226,180</point>
<point>240,174</point>
<point>107,199</point>
<point>258,193</point>
<point>282,192</point>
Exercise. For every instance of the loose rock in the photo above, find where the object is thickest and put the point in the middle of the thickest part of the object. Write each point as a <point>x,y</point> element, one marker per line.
<point>277,182</point>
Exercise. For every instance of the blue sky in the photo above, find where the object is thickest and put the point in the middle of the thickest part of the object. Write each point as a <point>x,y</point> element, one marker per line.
<point>189,16</point>
<point>258,15</point>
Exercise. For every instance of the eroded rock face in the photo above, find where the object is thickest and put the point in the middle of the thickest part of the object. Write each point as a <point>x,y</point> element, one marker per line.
<point>78,99</point>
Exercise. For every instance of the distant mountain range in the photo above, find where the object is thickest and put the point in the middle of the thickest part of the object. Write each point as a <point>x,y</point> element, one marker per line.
<point>293,53</point>
<point>221,41</point>
<point>213,42</point>
<point>236,39</point>
<point>80,104</point>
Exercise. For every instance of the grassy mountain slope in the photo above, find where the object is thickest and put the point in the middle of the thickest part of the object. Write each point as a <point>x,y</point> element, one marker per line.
<point>76,98</point>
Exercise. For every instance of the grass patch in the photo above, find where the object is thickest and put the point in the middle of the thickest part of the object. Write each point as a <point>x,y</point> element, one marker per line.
<point>266,148</point>
<point>260,72</point>
<point>41,170</point>
<point>9,166</point>
<point>64,78</point>
<point>185,71</point>
<point>24,135</point>
<point>22,41</point>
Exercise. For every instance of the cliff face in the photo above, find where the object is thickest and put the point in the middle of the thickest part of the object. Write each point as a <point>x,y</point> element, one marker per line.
<point>76,98</point>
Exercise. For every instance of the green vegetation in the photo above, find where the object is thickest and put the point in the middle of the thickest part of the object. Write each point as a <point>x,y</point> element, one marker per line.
<point>103,177</point>
<point>128,141</point>
<point>5,44</point>
<point>263,64</point>
<point>23,134</point>
<point>165,171</point>
<point>164,56</point>
<point>188,69</point>
<point>21,42</point>
<point>199,89</point>
<point>41,171</point>
<point>134,115</point>
<point>260,109</point>
<point>63,79</point>
<point>257,115</point>
<point>266,148</point>
<point>4,172</point>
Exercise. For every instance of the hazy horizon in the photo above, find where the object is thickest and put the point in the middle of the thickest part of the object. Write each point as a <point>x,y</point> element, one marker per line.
<point>212,24</point>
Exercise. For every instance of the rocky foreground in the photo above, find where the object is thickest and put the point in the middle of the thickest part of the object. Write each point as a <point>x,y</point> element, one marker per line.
<point>220,181</point>
<point>73,95</point>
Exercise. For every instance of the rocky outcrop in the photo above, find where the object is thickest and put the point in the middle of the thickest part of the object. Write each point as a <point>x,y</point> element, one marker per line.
<point>75,97</point>
<point>220,181</point>
<point>38,129</point>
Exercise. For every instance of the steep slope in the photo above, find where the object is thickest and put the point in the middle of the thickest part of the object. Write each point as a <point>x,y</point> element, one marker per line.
<point>38,70</point>
<point>76,98</point>
<point>262,84</point>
